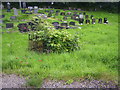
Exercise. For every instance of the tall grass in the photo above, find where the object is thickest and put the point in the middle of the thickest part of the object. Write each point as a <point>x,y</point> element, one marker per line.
<point>97,58</point>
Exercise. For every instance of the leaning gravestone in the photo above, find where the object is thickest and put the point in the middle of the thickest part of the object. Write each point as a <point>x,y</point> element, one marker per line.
<point>62,13</point>
<point>15,11</point>
<point>65,18</point>
<point>9,25</point>
<point>105,21</point>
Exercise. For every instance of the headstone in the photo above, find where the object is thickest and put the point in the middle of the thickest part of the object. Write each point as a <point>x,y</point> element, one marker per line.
<point>46,10</point>
<point>105,21</point>
<point>44,16</point>
<point>9,25</point>
<point>69,13</point>
<point>65,18</point>
<point>35,9</point>
<point>64,24</point>
<point>81,20</point>
<point>52,11</point>
<point>8,7</point>
<point>1,21</point>
<point>91,16</point>
<point>23,11</point>
<point>56,14</point>
<point>49,14</point>
<point>72,23</point>
<point>86,16</point>
<point>2,16</point>
<point>84,13</point>
<point>24,4</point>
<point>13,17</point>
<point>15,11</point>
<point>100,20</point>
<point>93,21</point>
<point>87,21</point>
<point>57,10</point>
<point>81,16</point>
<point>62,13</point>
<point>23,27</point>
<point>55,23</point>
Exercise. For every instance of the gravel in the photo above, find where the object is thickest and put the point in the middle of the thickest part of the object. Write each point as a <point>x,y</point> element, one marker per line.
<point>80,84</point>
<point>14,81</point>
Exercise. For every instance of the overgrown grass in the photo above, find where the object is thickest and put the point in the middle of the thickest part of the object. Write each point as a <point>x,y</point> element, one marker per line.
<point>97,58</point>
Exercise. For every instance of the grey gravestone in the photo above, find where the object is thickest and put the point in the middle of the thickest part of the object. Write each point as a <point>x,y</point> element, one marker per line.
<point>23,11</point>
<point>86,16</point>
<point>1,21</point>
<point>93,21</point>
<point>13,17</point>
<point>2,16</point>
<point>9,25</point>
<point>69,13</point>
<point>87,21</point>
<point>64,24</point>
<point>57,10</point>
<point>56,13</point>
<point>8,7</point>
<point>100,20</point>
<point>81,20</point>
<point>62,13</point>
<point>65,18</point>
<point>15,11</point>
<point>24,4</point>
<point>35,9</point>
<point>91,16</point>
<point>44,16</point>
<point>81,15</point>
<point>55,23</point>
<point>72,23</point>
<point>105,21</point>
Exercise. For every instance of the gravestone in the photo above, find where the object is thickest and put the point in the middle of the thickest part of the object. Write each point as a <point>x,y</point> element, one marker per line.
<point>1,21</point>
<point>35,9</point>
<point>84,13</point>
<point>55,23</point>
<point>69,13</point>
<point>100,20</point>
<point>56,13</point>
<point>64,24</point>
<point>65,18</point>
<point>105,21</point>
<point>15,11</point>
<point>57,10</point>
<point>81,16</point>
<point>13,17</point>
<point>86,16</point>
<point>72,23</point>
<point>52,11</point>
<point>8,7</point>
<point>62,13</point>
<point>46,10</point>
<point>24,4</point>
<point>91,16</point>
<point>87,21</point>
<point>93,21</point>
<point>23,11</point>
<point>2,16</point>
<point>44,16</point>
<point>81,20</point>
<point>49,14</point>
<point>23,27</point>
<point>9,25</point>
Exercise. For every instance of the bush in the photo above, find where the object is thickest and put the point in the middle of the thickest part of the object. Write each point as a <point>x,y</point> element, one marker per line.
<point>53,41</point>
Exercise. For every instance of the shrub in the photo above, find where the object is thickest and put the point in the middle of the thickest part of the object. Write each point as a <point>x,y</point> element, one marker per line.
<point>53,41</point>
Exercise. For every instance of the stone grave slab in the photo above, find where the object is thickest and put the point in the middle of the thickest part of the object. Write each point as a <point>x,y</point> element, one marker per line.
<point>100,20</point>
<point>87,21</point>
<point>105,21</point>
<point>81,20</point>
<point>15,11</point>
<point>55,23</point>
<point>23,27</point>
<point>9,25</point>
<point>93,21</point>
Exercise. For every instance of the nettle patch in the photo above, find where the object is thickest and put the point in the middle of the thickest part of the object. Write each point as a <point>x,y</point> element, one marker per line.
<point>53,41</point>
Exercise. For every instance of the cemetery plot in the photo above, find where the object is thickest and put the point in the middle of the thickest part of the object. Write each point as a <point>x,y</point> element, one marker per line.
<point>23,27</point>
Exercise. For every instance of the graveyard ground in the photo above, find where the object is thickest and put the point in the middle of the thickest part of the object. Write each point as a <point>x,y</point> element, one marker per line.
<point>96,59</point>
